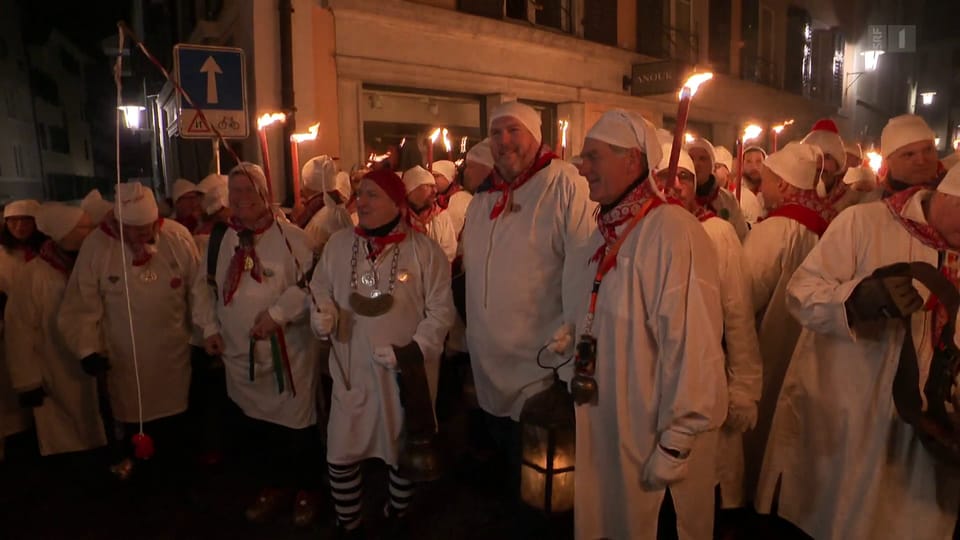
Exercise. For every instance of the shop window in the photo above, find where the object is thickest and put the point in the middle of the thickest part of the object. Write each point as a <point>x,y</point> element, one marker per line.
<point>600,21</point>
<point>398,124</point>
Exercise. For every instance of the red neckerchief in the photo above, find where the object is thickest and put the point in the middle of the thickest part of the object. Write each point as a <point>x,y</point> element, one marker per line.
<point>837,193</point>
<point>377,244</point>
<point>443,199</point>
<point>420,220</point>
<point>242,252</point>
<point>929,237</point>
<point>141,255</point>
<point>891,187</point>
<point>309,209</point>
<point>204,228</point>
<point>632,204</point>
<point>806,208</point>
<point>702,213</point>
<point>497,183</point>
<point>57,257</point>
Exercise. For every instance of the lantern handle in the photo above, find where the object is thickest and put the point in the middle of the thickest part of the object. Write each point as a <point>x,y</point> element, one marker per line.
<point>555,369</point>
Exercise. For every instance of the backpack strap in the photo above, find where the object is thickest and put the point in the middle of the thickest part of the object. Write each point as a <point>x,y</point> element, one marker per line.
<point>213,254</point>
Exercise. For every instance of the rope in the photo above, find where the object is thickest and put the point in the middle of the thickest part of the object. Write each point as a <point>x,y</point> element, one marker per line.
<point>117,75</point>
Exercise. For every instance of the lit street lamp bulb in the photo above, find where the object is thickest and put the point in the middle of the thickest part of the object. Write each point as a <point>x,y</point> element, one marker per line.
<point>131,115</point>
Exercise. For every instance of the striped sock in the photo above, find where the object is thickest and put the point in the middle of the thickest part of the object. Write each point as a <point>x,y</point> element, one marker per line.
<point>346,486</point>
<point>401,492</point>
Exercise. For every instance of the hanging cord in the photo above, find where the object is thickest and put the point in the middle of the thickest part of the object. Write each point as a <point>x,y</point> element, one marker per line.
<point>301,274</point>
<point>556,368</point>
<point>117,78</point>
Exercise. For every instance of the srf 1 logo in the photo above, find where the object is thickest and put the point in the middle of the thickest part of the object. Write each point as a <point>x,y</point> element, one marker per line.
<point>892,38</point>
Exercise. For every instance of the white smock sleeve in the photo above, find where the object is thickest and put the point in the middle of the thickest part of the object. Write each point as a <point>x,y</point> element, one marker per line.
<point>294,301</point>
<point>24,326</point>
<point>439,312</point>
<point>82,307</point>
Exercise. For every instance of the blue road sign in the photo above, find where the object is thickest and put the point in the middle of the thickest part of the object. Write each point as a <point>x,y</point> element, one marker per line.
<point>215,79</point>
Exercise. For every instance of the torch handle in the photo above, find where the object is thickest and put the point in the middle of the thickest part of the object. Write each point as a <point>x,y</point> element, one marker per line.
<point>682,111</point>
<point>295,157</point>
<point>739,168</point>
<point>265,152</point>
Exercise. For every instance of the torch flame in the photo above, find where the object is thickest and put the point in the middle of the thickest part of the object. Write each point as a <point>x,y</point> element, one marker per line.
<point>463,144</point>
<point>310,135</point>
<point>752,131</point>
<point>875,160</point>
<point>688,138</point>
<point>780,127</point>
<point>563,132</point>
<point>270,118</point>
<point>435,134</point>
<point>693,83</point>
<point>446,140</point>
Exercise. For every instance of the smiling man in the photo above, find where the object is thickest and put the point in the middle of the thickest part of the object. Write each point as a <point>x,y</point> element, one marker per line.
<point>909,154</point>
<point>521,229</point>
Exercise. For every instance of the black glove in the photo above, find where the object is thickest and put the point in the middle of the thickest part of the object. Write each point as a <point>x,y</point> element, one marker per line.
<point>32,398</point>
<point>878,297</point>
<point>95,364</point>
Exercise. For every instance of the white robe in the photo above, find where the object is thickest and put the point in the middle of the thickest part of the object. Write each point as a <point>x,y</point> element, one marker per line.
<point>93,319</point>
<point>69,419</point>
<point>13,418</point>
<point>660,376</point>
<point>287,304</point>
<point>773,251</point>
<point>850,468</point>
<point>750,207</point>
<point>366,420</point>
<point>328,220</point>
<point>441,230</point>
<point>517,275</point>
<point>457,209</point>
<point>743,363</point>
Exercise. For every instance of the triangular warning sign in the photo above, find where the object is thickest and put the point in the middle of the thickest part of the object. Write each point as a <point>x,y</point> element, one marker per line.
<point>198,124</point>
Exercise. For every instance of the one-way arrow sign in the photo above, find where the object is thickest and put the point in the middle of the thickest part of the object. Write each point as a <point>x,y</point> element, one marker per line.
<point>215,79</point>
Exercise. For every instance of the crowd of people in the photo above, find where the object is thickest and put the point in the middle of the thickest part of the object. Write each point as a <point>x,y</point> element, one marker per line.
<point>735,344</point>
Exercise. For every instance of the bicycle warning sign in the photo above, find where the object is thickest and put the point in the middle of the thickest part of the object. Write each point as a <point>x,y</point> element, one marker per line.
<point>215,80</point>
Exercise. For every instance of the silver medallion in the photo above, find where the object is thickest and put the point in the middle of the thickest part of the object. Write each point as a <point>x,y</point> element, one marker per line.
<point>368,279</point>
<point>148,276</point>
<point>267,272</point>
<point>375,293</point>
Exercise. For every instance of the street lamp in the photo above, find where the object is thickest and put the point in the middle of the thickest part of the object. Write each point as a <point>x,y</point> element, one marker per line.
<point>871,59</point>
<point>927,97</point>
<point>132,115</point>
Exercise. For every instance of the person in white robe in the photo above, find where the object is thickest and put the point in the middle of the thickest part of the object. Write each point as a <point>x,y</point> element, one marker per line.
<point>451,196</point>
<point>825,135</point>
<point>254,316</point>
<point>773,251</point>
<point>94,205</point>
<point>522,234</point>
<point>909,155</point>
<point>19,243</point>
<point>154,264</point>
<point>383,258</point>
<point>324,193</point>
<point>843,461</point>
<point>743,364</point>
<point>425,215</point>
<point>660,390</point>
<point>46,376</point>
<point>710,194</point>
<point>477,166</point>
<point>216,209</point>
<point>187,203</point>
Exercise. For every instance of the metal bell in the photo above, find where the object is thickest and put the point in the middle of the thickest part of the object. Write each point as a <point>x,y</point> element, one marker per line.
<point>584,390</point>
<point>419,459</point>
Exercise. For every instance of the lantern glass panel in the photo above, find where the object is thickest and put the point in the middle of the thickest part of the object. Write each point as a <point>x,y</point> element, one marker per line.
<point>535,472</point>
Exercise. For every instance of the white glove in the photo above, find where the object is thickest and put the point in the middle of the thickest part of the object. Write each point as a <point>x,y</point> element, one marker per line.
<point>741,416</point>
<point>562,341</point>
<point>386,357</point>
<point>662,469</point>
<point>323,322</point>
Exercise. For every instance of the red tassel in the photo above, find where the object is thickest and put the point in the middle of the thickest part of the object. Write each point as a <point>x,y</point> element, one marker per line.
<point>142,446</point>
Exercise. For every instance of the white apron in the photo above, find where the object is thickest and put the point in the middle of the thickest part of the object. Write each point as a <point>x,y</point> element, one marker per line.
<point>13,418</point>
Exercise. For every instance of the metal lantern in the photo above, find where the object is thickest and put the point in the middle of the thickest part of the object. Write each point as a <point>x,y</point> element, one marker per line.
<point>548,443</point>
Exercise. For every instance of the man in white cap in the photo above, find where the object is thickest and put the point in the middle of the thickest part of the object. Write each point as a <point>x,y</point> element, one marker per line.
<point>46,376</point>
<point>216,208</point>
<point>520,239</point>
<point>753,157</point>
<point>376,343</point>
<point>825,134</point>
<point>253,313</point>
<point>324,211</point>
<point>909,155</point>
<point>20,242</point>
<point>844,462</point>
<point>154,264</point>
<point>654,392</point>
<point>854,154</point>
<point>710,194</point>
<point>775,248</point>
<point>187,207</point>
<point>743,363</point>
<point>722,167</point>
<point>451,197</point>
<point>94,205</point>
<point>424,214</point>
<point>861,183</point>
<point>478,164</point>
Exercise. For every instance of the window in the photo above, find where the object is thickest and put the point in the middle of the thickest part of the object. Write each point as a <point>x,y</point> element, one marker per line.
<point>797,20</point>
<point>86,150</point>
<point>69,63</point>
<point>42,135</point>
<point>484,8</point>
<point>683,38</point>
<point>600,21</point>
<point>720,34</point>
<point>16,160</point>
<point>44,87</point>
<point>766,33</point>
